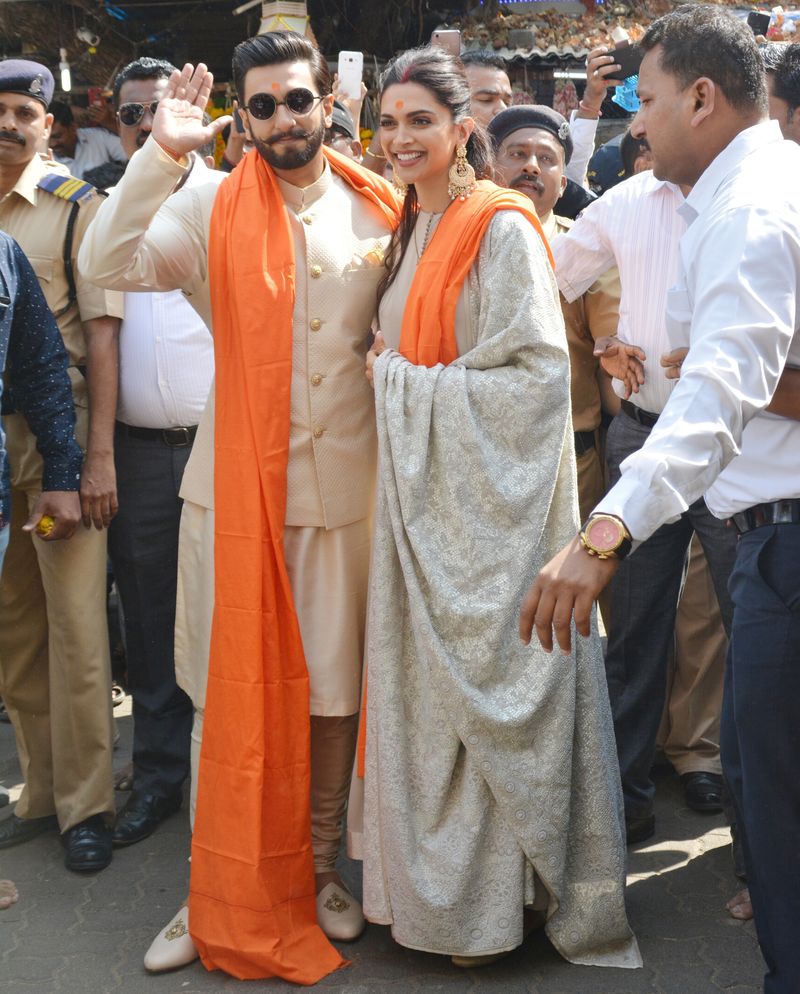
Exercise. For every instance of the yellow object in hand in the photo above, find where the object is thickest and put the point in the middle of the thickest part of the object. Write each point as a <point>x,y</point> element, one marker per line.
<point>45,526</point>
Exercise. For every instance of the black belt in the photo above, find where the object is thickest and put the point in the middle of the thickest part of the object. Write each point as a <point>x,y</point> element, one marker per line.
<point>777,512</point>
<point>584,442</point>
<point>644,418</point>
<point>176,437</point>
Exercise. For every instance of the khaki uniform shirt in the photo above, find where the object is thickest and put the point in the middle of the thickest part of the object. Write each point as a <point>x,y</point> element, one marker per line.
<point>38,221</point>
<point>593,315</point>
<point>140,242</point>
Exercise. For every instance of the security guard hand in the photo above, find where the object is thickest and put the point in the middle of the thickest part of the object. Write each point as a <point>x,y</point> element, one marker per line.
<point>98,491</point>
<point>178,123</point>
<point>63,506</point>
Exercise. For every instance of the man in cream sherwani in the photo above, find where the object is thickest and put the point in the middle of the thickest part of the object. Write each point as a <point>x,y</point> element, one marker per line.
<point>139,241</point>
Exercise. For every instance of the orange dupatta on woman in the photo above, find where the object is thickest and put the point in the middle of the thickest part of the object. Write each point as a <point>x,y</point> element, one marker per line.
<point>252,895</point>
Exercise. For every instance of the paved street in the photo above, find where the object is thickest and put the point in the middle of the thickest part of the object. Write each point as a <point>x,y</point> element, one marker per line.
<point>87,935</point>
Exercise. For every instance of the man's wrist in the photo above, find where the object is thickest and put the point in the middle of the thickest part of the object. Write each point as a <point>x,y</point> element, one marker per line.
<point>605,536</point>
<point>180,157</point>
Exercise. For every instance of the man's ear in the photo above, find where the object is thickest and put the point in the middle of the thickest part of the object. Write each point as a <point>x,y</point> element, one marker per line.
<point>704,96</point>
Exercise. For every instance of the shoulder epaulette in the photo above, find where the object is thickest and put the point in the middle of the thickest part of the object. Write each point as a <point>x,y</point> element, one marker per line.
<point>66,187</point>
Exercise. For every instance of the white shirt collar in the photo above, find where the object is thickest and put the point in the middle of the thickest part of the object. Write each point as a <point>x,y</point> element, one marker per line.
<point>728,160</point>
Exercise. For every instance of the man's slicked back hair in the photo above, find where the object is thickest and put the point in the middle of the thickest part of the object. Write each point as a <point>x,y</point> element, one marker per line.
<point>483,59</point>
<point>275,48</point>
<point>144,68</point>
<point>697,40</point>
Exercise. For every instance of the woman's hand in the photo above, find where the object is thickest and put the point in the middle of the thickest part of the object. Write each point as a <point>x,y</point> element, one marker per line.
<point>378,346</point>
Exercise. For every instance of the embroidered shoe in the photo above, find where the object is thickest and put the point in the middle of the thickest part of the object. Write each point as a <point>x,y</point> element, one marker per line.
<point>172,947</point>
<point>339,914</point>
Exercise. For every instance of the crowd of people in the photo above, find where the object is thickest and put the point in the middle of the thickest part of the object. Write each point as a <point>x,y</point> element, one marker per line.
<point>365,432</point>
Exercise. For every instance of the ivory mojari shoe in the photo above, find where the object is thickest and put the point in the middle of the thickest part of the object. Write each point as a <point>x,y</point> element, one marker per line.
<point>173,946</point>
<point>339,914</point>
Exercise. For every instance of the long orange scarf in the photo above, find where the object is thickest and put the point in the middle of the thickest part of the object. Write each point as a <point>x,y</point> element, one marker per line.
<point>252,896</point>
<point>428,331</point>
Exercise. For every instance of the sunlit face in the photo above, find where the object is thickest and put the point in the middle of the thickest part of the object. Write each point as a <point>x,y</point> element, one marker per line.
<point>24,128</point>
<point>664,120</point>
<point>531,160</point>
<point>418,134</point>
<point>286,140</point>
<point>145,92</point>
<point>63,139</point>
<point>490,92</point>
<point>780,111</point>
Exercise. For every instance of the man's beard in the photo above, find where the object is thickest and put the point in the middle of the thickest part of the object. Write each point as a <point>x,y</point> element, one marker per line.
<point>291,157</point>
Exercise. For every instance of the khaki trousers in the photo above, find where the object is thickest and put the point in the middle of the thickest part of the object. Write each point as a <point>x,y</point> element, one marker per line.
<point>328,571</point>
<point>689,733</point>
<point>55,672</point>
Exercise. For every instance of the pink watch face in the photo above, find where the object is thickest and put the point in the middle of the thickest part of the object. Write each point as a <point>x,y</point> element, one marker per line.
<point>603,535</point>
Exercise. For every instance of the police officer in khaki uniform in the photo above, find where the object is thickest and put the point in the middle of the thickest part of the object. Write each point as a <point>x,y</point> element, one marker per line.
<point>54,657</point>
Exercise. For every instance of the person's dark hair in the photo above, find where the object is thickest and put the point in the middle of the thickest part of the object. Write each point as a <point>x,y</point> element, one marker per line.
<point>62,113</point>
<point>772,55</point>
<point>485,59</point>
<point>274,48</point>
<point>786,80</point>
<point>702,40</point>
<point>105,175</point>
<point>443,76</point>
<point>144,68</point>
<point>630,149</point>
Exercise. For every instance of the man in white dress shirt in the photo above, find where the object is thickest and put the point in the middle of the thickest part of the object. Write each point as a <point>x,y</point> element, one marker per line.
<point>704,114</point>
<point>166,368</point>
<point>636,226</point>
<point>82,149</point>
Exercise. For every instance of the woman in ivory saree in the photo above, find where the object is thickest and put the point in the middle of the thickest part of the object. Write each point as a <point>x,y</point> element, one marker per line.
<point>491,780</point>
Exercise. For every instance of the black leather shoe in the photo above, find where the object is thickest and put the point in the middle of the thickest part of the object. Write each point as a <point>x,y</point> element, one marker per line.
<point>639,829</point>
<point>88,845</point>
<point>142,815</point>
<point>703,791</point>
<point>15,830</point>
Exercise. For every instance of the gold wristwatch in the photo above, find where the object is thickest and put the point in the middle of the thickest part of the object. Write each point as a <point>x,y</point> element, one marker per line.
<point>606,537</point>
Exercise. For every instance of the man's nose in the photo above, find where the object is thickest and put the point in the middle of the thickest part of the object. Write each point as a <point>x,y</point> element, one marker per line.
<point>532,166</point>
<point>284,119</point>
<point>637,126</point>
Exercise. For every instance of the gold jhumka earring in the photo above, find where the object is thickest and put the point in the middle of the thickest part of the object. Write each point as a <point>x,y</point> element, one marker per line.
<point>461,176</point>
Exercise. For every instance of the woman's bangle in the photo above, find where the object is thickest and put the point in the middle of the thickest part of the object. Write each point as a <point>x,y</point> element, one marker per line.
<point>375,155</point>
<point>593,111</point>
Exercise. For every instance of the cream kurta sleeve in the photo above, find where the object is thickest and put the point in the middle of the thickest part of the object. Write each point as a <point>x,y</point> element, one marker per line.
<point>137,241</point>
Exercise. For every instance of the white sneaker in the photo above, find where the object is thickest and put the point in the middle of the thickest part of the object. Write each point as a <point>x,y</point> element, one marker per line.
<point>339,914</point>
<point>173,946</point>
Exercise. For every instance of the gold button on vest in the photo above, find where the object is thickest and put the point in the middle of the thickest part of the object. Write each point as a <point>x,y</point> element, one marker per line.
<point>316,272</point>
<point>319,432</point>
<point>316,324</point>
<point>316,379</point>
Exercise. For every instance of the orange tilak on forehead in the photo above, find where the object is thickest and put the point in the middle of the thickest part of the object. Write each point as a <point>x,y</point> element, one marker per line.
<point>399,105</point>
<point>276,86</point>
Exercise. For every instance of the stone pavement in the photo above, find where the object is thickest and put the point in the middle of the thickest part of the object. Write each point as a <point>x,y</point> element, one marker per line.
<point>87,935</point>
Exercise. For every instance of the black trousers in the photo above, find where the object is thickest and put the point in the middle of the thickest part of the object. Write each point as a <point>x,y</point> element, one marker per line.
<point>143,544</point>
<point>760,739</point>
<point>644,603</point>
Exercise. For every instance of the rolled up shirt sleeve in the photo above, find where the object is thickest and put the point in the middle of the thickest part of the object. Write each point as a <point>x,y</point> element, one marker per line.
<point>39,383</point>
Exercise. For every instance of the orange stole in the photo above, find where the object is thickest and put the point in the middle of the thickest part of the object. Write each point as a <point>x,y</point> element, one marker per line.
<point>252,896</point>
<point>428,332</point>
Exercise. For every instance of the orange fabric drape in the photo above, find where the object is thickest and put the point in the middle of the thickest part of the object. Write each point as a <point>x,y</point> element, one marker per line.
<point>428,332</point>
<point>252,897</point>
